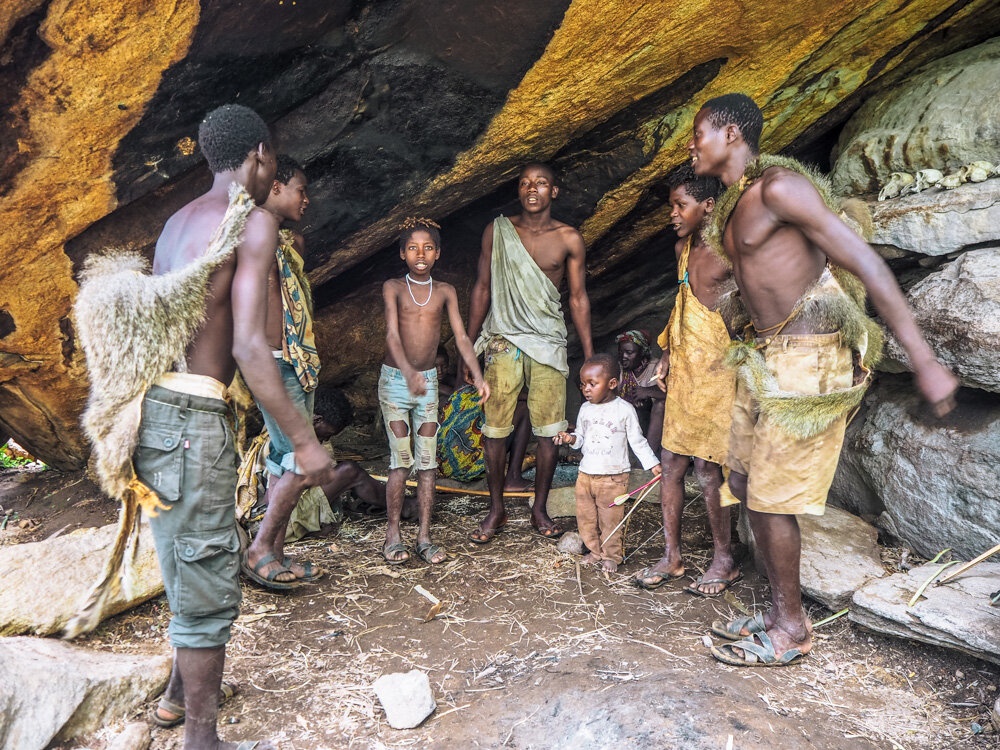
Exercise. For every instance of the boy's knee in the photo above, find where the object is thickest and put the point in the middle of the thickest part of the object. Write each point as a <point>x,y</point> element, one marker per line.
<point>400,428</point>
<point>425,446</point>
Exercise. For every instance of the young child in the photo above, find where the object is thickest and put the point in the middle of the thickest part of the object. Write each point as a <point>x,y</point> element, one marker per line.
<point>407,388</point>
<point>603,427</point>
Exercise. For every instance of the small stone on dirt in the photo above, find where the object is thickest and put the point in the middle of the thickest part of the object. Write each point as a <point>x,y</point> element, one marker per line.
<point>406,698</point>
<point>571,543</point>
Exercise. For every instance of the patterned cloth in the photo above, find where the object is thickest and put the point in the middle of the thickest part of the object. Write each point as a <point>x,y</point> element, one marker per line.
<point>460,437</point>
<point>299,345</point>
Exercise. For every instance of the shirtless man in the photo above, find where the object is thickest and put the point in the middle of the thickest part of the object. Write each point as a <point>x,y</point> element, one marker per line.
<point>516,314</point>
<point>196,537</point>
<point>266,563</point>
<point>780,236</point>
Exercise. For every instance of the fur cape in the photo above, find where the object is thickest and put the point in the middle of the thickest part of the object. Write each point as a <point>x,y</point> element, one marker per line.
<point>134,327</point>
<point>801,415</point>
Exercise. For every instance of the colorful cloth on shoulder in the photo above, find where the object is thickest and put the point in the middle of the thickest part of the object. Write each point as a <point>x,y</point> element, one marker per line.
<point>630,381</point>
<point>700,385</point>
<point>525,307</point>
<point>299,345</point>
<point>460,437</point>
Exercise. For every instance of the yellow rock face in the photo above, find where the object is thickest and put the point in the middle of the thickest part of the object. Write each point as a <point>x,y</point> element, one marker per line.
<point>105,64</point>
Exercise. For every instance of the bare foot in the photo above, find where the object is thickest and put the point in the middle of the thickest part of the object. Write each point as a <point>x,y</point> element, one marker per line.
<point>609,565</point>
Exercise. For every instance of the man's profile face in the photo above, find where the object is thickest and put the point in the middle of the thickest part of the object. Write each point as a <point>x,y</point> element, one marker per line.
<point>536,188</point>
<point>707,146</point>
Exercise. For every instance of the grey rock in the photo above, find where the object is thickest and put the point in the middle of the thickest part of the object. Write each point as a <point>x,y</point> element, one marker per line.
<point>958,309</point>
<point>914,125</point>
<point>34,601</point>
<point>570,543</point>
<point>938,222</point>
<point>839,556</point>
<point>52,691</point>
<point>931,482</point>
<point>406,698</point>
<point>956,615</point>
<point>135,736</point>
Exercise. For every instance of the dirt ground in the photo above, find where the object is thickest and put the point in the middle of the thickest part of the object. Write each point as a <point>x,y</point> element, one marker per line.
<point>531,650</point>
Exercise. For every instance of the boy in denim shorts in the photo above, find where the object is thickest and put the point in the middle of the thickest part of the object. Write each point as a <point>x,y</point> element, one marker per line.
<point>408,386</point>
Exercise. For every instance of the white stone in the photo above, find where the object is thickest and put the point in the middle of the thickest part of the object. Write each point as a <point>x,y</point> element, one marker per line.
<point>571,543</point>
<point>955,615</point>
<point>406,697</point>
<point>52,691</point>
<point>46,582</point>
<point>938,222</point>
<point>958,310</point>
<point>134,736</point>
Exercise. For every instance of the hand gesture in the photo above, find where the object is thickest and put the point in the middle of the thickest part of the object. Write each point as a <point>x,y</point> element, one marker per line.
<point>417,383</point>
<point>937,385</point>
<point>657,470</point>
<point>563,438</point>
<point>662,368</point>
<point>313,463</point>
<point>483,388</point>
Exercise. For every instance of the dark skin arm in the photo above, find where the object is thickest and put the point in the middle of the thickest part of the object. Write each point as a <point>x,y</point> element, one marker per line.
<point>793,201</point>
<point>462,342</point>
<point>579,302</point>
<point>663,367</point>
<point>255,258</point>
<point>479,304</point>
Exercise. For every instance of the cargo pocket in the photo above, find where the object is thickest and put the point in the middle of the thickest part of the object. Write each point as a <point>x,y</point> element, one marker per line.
<point>207,571</point>
<point>159,461</point>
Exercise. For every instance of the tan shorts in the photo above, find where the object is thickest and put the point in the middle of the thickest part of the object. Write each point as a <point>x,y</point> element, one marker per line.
<point>790,475</point>
<point>508,370</point>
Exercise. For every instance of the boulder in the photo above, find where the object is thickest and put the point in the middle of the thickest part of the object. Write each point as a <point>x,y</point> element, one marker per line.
<point>938,222</point>
<point>956,615</point>
<point>943,116</point>
<point>52,691</point>
<point>958,309</point>
<point>45,582</point>
<point>839,556</point>
<point>406,697</point>
<point>931,482</point>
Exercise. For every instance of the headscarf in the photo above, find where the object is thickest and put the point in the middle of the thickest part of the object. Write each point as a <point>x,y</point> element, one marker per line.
<point>629,383</point>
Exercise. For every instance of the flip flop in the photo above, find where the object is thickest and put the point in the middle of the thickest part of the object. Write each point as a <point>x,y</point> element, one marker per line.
<point>755,654</point>
<point>726,583</point>
<point>312,572</point>
<point>549,532</point>
<point>226,691</point>
<point>731,630</point>
<point>392,549</point>
<point>639,579</point>
<point>485,536</point>
<point>427,551</point>
<point>268,582</point>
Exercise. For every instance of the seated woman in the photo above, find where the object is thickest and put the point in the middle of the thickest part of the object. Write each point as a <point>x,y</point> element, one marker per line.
<point>460,434</point>
<point>637,383</point>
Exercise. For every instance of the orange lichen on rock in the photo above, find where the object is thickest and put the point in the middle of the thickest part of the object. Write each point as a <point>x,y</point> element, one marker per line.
<point>102,55</point>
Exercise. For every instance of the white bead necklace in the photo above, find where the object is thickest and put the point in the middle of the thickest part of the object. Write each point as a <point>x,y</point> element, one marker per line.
<point>430,292</point>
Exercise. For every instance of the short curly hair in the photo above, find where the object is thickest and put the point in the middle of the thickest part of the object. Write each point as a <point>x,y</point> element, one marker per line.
<point>739,110</point>
<point>413,224</point>
<point>287,167</point>
<point>333,407</point>
<point>228,133</point>
<point>607,362</point>
<point>699,187</point>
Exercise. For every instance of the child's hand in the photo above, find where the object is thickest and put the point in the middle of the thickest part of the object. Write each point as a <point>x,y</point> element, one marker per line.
<point>483,388</point>
<point>416,383</point>
<point>657,470</point>
<point>563,438</point>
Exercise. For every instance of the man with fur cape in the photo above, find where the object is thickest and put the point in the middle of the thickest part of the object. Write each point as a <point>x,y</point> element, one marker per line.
<point>164,347</point>
<point>806,338</point>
